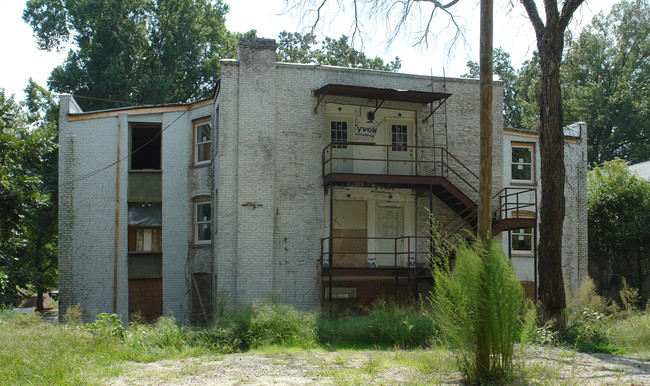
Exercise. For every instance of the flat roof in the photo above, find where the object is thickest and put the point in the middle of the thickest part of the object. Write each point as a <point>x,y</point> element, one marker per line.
<point>389,94</point>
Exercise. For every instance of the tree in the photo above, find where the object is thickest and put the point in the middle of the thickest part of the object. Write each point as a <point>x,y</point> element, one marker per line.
<point>144,51</point>
<point>619,223</point>
<point>550,45</point>
<point>22,148</point>
<point>39,257</point>
<point>503,68</point>
<point>295,47</point>
<point>605,83</point>
<point>528,86</point>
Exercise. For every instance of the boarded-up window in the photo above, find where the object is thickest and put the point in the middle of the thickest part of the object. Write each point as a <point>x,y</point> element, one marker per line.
<point>350,244</point>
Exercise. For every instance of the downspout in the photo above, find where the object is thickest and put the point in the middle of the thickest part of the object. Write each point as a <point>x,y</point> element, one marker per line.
<point>535,257</point>
<point>331,243</point>
<point>117,216</point>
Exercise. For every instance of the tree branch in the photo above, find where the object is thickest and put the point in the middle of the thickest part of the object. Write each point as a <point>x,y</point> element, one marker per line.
<point>568,9</point>
<point>535,20</point>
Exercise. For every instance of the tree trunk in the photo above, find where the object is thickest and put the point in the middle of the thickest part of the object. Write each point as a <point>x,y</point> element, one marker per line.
<point>39,301</point>
<point>551,141</point>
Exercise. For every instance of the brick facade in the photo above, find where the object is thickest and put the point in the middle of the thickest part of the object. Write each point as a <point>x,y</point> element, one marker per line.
<point>269,206</point>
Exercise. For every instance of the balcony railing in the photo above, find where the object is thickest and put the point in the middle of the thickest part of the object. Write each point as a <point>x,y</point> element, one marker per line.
<point>375,252</point>
<point>398,160</point>
<point>516,203</point>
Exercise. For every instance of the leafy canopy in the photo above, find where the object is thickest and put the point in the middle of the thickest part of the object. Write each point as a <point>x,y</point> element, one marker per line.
<point>605,83</point>
<point>145,51</point>
<point>295,47</point>
<point>503,68</point>
<point>619,221</point>
<point>27,208</point>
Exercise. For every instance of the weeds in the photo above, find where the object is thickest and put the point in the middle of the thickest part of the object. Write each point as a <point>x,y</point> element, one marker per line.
<point>384,325</point>
<point>477,305</point>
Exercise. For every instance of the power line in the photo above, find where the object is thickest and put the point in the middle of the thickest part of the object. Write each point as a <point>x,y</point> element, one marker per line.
<point>99,170</point>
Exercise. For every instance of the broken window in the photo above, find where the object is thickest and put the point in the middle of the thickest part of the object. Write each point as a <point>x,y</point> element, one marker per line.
<point>145,227</point>
<point>202,141</point>
<point>203,221</point>
<point>145,146</point>
<point>145,239</point>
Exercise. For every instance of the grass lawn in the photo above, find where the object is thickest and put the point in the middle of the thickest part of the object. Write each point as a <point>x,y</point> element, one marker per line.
<point>279,345</point>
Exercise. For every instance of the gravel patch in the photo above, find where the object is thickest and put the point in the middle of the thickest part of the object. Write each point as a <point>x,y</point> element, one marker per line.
<point>541,365</point>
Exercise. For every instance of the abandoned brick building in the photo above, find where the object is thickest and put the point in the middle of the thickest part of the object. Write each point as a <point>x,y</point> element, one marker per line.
<point>311,182</point>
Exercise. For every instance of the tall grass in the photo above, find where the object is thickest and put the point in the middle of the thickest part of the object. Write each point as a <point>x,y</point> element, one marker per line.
<point>477,305</point>
<point>384,325</point>
<point>632,334</point>
<point>36,352</point>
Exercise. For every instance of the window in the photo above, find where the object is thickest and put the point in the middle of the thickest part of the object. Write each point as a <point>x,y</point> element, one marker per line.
<point>341,293</point>
<point>522,163</point>
<point>145,239</point>
<point>145,227</point>
<point>203,141</point>
<point>522,240</point>
<point>339,133</point>
<point>145,146</point>
<point>399,138</point>
<point>203,220</point>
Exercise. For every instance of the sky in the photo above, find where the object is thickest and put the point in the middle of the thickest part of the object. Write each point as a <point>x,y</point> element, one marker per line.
<point>21,58</point>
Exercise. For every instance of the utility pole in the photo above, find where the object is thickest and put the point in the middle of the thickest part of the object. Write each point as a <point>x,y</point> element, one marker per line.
<point>485,176</point>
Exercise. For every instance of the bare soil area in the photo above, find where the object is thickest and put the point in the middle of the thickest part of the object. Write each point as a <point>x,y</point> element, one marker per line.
<point>541,365</point>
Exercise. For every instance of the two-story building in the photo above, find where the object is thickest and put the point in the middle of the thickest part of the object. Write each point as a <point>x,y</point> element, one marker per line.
<point>312,182</point>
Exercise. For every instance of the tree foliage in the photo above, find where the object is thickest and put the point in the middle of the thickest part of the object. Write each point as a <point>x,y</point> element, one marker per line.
<point>27,179</point>
<point>506,72</point>
<point>619,223</point>
<point>605,81</point>
<point>295,47</point>
<point>144,51</point>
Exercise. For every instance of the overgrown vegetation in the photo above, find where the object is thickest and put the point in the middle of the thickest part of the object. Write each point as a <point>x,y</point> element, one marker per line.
<point>477,305</point>
<point>385,325</point>
<point>35,351</point>
<point>619,229</point>
<point>595,324</point>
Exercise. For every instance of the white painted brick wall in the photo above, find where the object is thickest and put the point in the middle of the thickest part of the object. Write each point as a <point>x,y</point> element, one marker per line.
<point>266,182</point>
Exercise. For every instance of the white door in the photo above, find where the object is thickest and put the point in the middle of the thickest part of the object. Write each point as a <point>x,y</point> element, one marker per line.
<point>400,150</point>
<point>390,226</point>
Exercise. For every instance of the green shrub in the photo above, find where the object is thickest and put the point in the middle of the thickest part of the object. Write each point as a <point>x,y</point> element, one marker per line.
<point>275,323</point>
<point>385,325</point>
<point>588,317</point>
<point>587,331</point>
<point>264,323</point>
<point>477,305</point>
<point>106,324</point>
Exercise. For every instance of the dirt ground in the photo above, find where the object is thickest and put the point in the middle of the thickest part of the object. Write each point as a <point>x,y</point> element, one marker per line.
<point>542,365</point>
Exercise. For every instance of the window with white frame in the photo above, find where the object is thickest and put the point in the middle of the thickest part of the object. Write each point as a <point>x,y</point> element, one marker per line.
<point>339,133</point>
<point>522,240</point>
<point>522,162</point>
<point>203,222</point>
<point>202,141</point>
